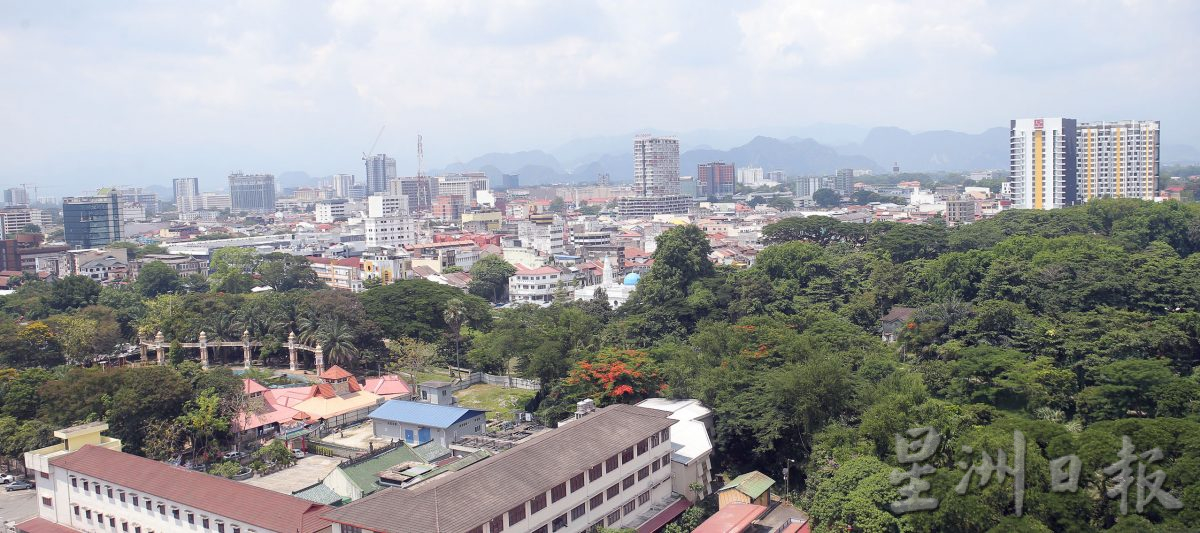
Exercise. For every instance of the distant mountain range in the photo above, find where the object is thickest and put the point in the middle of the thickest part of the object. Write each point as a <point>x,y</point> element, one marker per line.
<point>581,160</point>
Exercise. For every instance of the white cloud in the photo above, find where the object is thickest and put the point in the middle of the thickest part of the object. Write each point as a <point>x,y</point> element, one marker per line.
<point>202,89</point>
<point>783,34</point>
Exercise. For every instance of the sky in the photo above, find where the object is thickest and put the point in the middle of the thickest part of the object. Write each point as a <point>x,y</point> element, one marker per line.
<point>138,92</point>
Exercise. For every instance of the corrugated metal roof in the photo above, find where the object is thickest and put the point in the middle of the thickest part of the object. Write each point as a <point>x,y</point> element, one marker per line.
<point>319,493</point>
<point>423,414</point>
<point>752,484</point>
<point>366,473</point>
<point>733,518</point>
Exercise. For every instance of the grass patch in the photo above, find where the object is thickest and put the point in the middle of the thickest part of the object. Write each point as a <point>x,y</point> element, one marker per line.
<point>426,375</point>
<point>500,402</point>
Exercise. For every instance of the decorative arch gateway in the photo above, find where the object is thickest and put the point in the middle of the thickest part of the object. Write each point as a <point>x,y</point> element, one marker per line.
<point>160,345</point>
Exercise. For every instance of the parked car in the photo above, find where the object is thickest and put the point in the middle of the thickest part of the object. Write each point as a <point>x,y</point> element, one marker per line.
<point>234,456</point>
<point>18,485</point>
<point>6,479</point>
<point>299,454</point>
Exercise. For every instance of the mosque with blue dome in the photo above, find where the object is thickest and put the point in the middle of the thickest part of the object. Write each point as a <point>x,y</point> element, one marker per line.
<point>618,292</point>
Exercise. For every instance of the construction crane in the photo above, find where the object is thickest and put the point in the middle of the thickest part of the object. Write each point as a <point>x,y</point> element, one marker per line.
<point>26,186</point>
<point>371,152</point>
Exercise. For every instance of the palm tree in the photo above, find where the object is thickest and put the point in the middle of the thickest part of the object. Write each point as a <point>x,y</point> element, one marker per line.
<point>337,339</point>
<point>286,318</point>
<point>454,315</point>
<point>308,324</point>
<point>223,328</point>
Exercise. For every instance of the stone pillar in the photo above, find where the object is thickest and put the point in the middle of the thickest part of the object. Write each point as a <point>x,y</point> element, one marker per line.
<point>204,350</point>
<point>160,345</point>
<point>319,359</point>
<point>246,348</point>
<point>292,350</point>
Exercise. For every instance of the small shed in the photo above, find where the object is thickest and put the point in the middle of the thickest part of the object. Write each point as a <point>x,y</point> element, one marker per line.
<point>436,392</point>
<point>752,487</point>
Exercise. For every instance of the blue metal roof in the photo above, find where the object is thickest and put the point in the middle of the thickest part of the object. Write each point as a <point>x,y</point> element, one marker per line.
<point>423,414</point>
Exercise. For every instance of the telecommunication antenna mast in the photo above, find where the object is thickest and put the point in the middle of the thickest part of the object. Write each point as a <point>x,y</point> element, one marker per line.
<point>420,155</point>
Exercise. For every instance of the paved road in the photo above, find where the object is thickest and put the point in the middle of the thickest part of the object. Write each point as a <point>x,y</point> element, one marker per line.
<point>17,505</point>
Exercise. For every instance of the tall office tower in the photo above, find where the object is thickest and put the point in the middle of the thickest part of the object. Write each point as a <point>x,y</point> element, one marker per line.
<point>715,179</point>
<point>91,221</point>
<point>655,166</point>
<point>603,180</point>
<point>843,181</point>
<point>16,196</point>
<point>510,181</point>
<point>187,194</point>
<point>417,188</point>
<point>252,192</point>
<point>1117,159</point>
<point>1042,168</point>
<point>342,184</point>
<point>380,169</point>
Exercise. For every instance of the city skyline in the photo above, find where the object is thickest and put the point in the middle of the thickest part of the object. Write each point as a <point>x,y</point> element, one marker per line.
<point>178,93</point>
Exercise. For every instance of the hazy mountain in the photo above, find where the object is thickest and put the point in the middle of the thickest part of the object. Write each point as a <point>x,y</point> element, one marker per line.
<point>506,162</point>
<point>165,194</point>
<point>797,157</point>
<point>290,178</point>
<point>1179,154</point>
<point>581,160</point>
<point>933,150</point>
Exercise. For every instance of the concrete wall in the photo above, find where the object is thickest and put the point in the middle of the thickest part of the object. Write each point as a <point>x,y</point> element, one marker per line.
<point>339,482</point>
<point>501,381</point>
<point>699,471</point>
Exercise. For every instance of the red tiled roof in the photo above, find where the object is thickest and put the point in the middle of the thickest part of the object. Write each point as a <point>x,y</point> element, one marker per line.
<point>39,525</point>
<point>523,270</point>
<point>796,527</point>
<point>255,506</point>
<point>335,372</point>
<point>249,386</point>
<point>274,411</point>
<point>345,261</point>
<point>323,390</point>
<point>388,386</point>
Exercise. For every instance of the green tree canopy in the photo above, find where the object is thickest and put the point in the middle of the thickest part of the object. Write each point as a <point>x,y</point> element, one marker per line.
<point>416,308</point>
<point>157,277</point>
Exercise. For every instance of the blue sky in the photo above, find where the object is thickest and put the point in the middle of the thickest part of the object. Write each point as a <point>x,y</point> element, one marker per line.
<point>140,92</point>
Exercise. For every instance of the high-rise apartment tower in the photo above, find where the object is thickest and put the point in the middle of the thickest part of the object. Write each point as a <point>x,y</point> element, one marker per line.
<point>655,166</point>
<point>1042,166</point>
